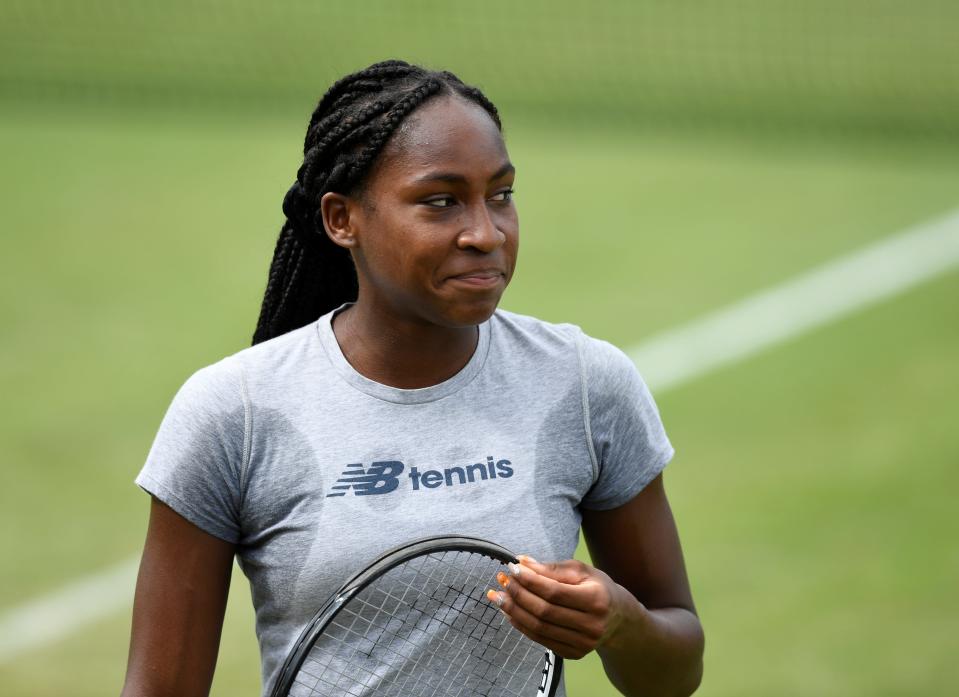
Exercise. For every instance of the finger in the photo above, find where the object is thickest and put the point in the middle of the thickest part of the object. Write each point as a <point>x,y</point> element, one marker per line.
<point>582,595</point>
<point>575,620</point>
<point>571,571</point>
<point>563,641</point>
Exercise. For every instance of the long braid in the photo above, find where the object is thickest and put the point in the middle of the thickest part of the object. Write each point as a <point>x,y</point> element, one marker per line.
<point>309,274</point>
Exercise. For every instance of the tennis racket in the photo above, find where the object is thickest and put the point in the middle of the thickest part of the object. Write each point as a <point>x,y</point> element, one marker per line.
<point>416,622</point>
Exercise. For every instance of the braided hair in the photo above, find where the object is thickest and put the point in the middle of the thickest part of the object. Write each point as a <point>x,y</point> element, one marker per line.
<point>309,274</point>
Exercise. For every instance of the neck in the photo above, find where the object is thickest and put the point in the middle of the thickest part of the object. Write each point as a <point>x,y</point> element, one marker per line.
<point>407,353</point>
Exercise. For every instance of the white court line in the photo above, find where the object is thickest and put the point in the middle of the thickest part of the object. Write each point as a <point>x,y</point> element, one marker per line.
<point>817,297</point>
<point>59,614</point>
<point>668,360</point>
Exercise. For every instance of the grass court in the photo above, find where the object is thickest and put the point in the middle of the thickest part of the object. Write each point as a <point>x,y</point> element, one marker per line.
<point>814,485</point>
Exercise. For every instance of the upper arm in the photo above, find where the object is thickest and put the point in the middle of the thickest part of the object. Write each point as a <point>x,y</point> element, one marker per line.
<point>626,437</point>
<point>637,544</point>
<point>181,594</point>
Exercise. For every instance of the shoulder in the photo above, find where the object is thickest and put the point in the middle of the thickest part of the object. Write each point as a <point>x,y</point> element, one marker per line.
<point>278,353</point>
<point>539,335</point>
<point>277,361</point>
<point>607,367</point>
<point>602,365</point>
<point>225,382</point>
<point>215,387</point>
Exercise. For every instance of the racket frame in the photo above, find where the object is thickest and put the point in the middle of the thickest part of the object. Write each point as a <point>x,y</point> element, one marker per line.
<point>379,566</point>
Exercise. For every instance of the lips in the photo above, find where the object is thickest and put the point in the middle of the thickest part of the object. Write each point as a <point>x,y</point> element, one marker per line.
<point>480,278</point>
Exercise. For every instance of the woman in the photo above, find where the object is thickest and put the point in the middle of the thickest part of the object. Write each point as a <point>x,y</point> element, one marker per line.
<point>379,350</point>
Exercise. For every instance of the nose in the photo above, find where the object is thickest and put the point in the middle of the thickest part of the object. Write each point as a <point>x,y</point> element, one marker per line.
<point>481,232</point>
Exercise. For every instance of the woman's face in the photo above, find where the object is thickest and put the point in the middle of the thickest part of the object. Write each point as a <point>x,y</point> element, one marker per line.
<point>434,233</point>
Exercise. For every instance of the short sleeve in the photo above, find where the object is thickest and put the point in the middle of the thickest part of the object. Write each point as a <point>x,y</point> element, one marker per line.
<point>626,433</point>
<point>197,457</point>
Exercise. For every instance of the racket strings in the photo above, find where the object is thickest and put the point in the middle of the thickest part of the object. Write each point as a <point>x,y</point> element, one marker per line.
<point>485,623</point>
<point>423,629</point>
<point>443,596</point>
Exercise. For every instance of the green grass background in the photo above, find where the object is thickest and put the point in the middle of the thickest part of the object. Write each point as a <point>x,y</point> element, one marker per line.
<point>813,484</point>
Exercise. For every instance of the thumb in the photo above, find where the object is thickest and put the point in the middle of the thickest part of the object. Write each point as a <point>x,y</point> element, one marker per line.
<point>570,571</point>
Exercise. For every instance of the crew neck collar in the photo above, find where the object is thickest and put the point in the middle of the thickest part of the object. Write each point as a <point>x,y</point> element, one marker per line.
<point>397,395</point>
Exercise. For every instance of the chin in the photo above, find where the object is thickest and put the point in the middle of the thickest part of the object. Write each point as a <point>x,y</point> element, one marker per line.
<point>470,314</point>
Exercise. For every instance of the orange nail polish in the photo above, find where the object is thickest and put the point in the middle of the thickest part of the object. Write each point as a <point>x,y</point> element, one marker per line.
<point>502,578</point>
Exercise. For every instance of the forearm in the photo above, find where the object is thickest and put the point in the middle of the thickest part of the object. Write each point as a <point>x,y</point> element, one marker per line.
<point>655,653</point>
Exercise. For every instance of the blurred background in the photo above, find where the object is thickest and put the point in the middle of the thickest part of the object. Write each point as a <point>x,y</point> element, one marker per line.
<point>673,158</point>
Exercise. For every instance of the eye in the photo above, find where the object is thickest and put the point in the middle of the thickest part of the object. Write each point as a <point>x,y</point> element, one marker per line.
<point>440,202</point>
<point>503,196</point>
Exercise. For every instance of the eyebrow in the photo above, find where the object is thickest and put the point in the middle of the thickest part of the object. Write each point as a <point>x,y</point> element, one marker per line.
<point>454,178</point>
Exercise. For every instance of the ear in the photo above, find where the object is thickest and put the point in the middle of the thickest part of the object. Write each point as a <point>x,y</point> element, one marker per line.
<point>339,218</point>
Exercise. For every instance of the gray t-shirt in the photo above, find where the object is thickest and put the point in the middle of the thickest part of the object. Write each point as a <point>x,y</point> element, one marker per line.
<point>272,448</point>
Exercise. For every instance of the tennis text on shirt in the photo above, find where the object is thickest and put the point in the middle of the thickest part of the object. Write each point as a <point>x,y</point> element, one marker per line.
<point>384,477</point>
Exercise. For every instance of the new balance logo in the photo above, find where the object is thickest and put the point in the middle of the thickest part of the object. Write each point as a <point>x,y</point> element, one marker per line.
<point>379,478</point>
<point>384,476</point>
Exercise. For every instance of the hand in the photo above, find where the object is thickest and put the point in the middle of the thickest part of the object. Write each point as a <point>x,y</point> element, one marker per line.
<point>569,607</point>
